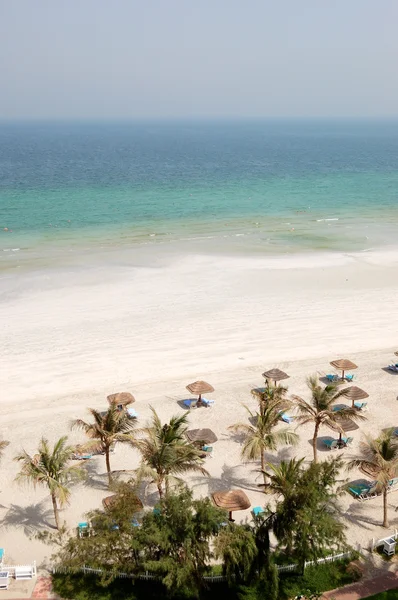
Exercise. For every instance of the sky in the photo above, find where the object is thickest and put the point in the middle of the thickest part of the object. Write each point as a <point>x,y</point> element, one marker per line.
<point>127,59</point>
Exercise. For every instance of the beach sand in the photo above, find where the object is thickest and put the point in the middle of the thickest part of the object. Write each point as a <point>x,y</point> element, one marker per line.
<point>71,337</point>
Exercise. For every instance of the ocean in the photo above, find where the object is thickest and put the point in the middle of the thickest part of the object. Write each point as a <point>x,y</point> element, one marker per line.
<point>69,191</point>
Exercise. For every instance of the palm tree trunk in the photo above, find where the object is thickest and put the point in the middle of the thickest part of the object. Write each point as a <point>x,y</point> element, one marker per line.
<point>263,466</point>
<point>108,465</point>
<point>385,515</point>
<point>314,441</point>
<point>160,489</point>
<point>56,511</point>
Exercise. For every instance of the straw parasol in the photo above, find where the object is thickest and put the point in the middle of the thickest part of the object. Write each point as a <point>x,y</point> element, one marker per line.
<point>354,393</point>
<point>110,501</point>
<point>342,425</point>
<point>396,353</point>
<point>199,388</point>
<point>343,364</point>
<point>121,398</point>
<point>231,500</point>
<point>276,375</point>
<point>206,436</point>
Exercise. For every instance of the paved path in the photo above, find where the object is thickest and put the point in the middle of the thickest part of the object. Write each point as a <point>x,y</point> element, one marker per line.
<point>363,589</point>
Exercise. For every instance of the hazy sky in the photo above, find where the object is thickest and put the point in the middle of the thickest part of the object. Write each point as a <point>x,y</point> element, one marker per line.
<point>156,58</point>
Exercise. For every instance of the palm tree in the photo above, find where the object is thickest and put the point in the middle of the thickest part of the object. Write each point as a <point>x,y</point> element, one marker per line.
<point>50,468</point>
<point>283,477</point>
<point>165,453</point>
<point>319,410</point>
<point>260,436</point>
<point>271,394</point>
<point>380,458</point>
<point>107,429</point>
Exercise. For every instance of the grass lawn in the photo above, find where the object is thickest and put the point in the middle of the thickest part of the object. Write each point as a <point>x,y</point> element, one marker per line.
<point>390,595</point>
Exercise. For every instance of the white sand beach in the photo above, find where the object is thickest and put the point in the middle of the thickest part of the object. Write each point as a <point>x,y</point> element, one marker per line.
<point>71,337</point>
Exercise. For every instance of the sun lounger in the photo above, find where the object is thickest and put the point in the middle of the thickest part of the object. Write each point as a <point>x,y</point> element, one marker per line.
<point>393,368</point>
<point>83,529</point>
<point>347,440</point>
<point>364,491</point>
<point>360,405</point>
<point>331,444</point>
<point>332,378</point>
<point>191,403</point>
<point>81,456</point>
<point>257,511</point>
<point>349,377</point>
<point>392,483</point>
<point>4,580</point>
<point>24,572</point>
<point>206,402</point>
<point>2,553</point>
<point>286,418</point>
<point>208,450</point>
<point>131,413</point>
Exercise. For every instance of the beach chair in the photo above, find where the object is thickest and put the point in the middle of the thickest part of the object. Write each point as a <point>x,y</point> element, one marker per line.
<point>286,418</point>
<point>393,368</point>
<point>157,511</point>
<point>77,456</point>
<point>2,553</point>
<point>349,377</point>
<point>83,529</point>
<point>360,405</point>
<point>331,444</point>
<point>332,378</point>
<point>257,511</point>
<point>347,440</point>
<point>363,491</point>
<point>132,413</point>
<point>190,403</point>
<point>4,580</point>
<point>208,450</point>
<point>207,403</point>
<point>392,483</point>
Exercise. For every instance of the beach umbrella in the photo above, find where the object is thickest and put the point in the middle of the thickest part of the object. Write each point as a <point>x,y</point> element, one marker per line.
<point>121,399</point>
<point>200,387</point>
<point>110,501</point>
<point>343,364</point>
<point>231,500</point>
<point>396,353</point>
<point>207,436</point>
<point>354,393</point>
<point>276,375</point>
<point>342,425</point>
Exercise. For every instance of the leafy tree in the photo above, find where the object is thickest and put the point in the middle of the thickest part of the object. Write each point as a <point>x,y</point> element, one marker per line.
<point>106,430</point>
<point>51,468</point>
<point>177,540</point>
<point>260,436</point>
<point>307,519</point>
<point>380,459</point>
<point>319,409</point>
<point>282,478</point>
<point>165,452</point>
<point>236,545</point>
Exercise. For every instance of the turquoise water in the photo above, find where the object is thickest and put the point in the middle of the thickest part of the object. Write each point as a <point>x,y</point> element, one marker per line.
<point>264,187</point>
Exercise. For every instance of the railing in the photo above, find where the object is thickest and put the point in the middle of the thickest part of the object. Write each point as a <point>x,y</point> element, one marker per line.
<point>11,568</point>
<point>209,578</point>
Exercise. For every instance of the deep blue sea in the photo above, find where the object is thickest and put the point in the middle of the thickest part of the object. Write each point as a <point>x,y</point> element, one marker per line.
<point>247,186</point>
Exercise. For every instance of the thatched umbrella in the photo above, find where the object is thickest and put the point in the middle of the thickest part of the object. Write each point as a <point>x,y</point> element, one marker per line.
<point>110,501</point>
<point>343,364</point>
<point>354,393</point>
<point>231,500</point>
<point>207,436</point>
<point>199,388</point>
<point>276,375</point>
<point>396,353</point>
<point>121,399</point>
<point>342,425</point>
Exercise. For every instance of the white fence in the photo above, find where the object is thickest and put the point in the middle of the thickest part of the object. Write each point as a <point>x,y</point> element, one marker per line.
<point>212,578</point>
